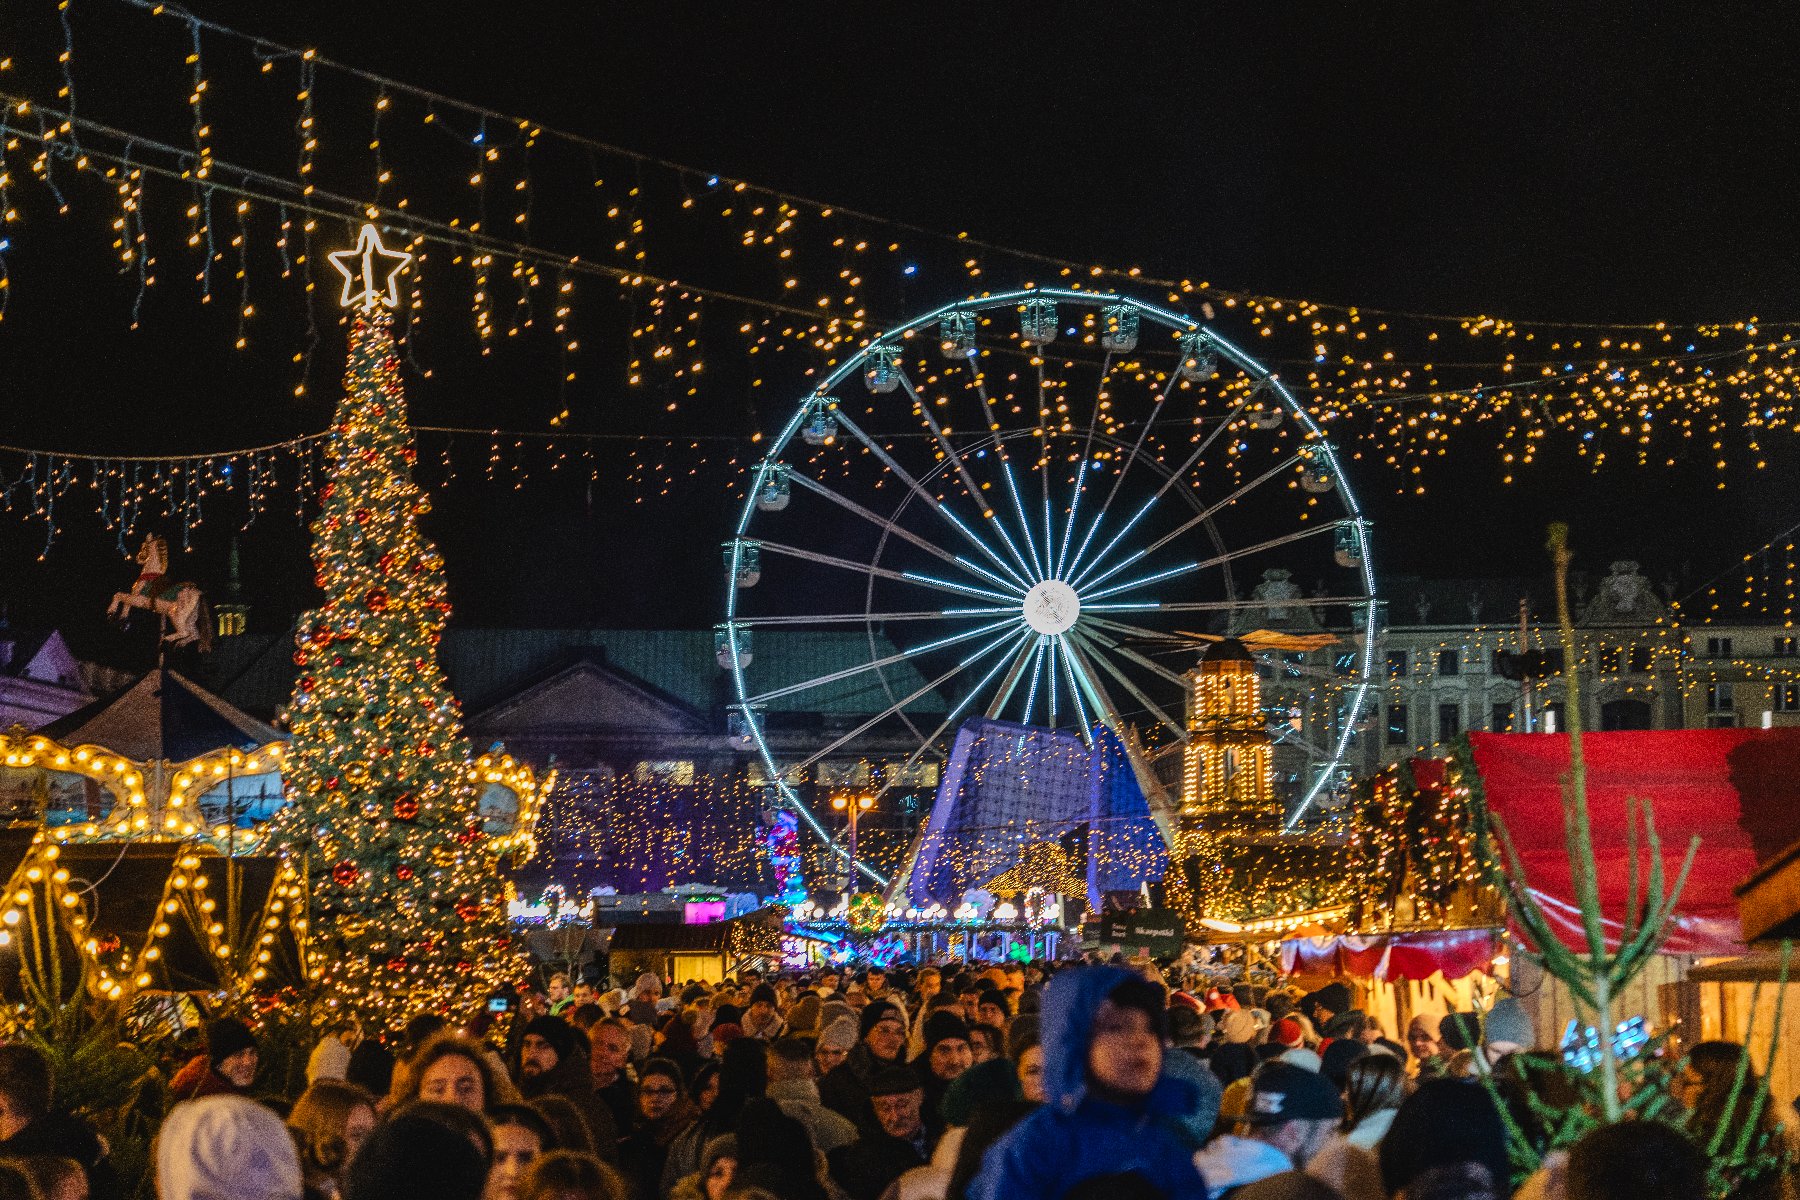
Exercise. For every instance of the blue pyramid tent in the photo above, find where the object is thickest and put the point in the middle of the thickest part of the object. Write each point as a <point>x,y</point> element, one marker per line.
<point>1007,786</point>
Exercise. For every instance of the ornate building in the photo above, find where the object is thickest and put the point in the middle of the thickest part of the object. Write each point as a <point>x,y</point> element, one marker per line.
<point>1226,775</point>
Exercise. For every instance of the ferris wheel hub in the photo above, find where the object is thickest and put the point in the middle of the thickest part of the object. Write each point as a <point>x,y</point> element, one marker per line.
<point>1052,607</point>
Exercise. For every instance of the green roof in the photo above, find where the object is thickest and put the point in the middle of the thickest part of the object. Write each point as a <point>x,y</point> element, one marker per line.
<point>486,666</point>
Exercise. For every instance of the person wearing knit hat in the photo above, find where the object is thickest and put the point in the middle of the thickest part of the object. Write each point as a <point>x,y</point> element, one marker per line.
<point>761,1020</point>
<point>1331,1000</point>
<point>1444,1121</point>
<point>1507,1028</point>
<point>1335,1061</point>
<point>1423,1046</point>
<point>993,1008</point>
<point>228,1066</point>
<point>889,1147</point>
<point>1234,1056</point>
<point>836,1039</point>
<point>1305,1059</point>
<point>232,1148</point>
<point>1290,1115</point>
<point>556,1059</point>
<point>1237,1026</point>
<point>413,1157</point>
<point>947,1055</point>
<point>881,1043</point>
<point>1287,1032</point>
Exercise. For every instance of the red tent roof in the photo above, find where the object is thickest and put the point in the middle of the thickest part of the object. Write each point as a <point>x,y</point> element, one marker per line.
<point>1734,788</point>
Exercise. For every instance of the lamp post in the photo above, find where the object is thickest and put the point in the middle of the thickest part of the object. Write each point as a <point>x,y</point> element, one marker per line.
<point>852,807</point>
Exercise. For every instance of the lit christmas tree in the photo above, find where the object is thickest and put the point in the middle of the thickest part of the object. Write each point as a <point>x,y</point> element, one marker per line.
<point>408,913</point>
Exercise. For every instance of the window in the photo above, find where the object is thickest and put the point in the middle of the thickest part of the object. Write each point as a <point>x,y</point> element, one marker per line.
<point>1787,697</point>
<point>1449,721</point>
<point>1396,660</point>
<point>1398,733</point>
<point>921,774</point>
<point>679,772</point>
<point>1500,718</point>
<point>1610,658</point>
<point>1718,698</point>
<point>1787,647</point>
<point>1642,659</point>
<point>843,774</point>
<point>1449,662</point>
<point>1718,647</point>
<point>1344,663</point>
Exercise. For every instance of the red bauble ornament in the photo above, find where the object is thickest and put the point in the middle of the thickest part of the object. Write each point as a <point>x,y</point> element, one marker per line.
<point>404,872</point>
<point>308,683</point>
<point>396,965</point>
<point>326,492</point>
<point>376,599</point>
<point>345,874</point>
<point>386,562</point>
<point>406,806</point>
<point>464,966</point>
<point>467,908</point>
<point>363,516</point>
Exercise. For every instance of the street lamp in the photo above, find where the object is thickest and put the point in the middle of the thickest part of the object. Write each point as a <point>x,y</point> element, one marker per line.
<point>853,807</point>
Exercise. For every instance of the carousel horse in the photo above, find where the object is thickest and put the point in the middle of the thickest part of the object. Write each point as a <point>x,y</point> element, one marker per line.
<point>180,603</point>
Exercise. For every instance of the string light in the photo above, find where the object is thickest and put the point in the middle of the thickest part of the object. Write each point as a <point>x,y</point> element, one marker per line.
<point>1645,392</point>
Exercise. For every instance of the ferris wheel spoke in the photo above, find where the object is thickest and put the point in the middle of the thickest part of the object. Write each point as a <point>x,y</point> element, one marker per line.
<point>1037,675</point>
<point>932,737</point>
<point>1125,467</point>
<point>1044,467</point>
<point>962,471</point>
<point>1062,556</point>
<point>1005,458</point>
<point>890,710</point>
<point>931,501</point>
<point>876,664</point>
<point>850,564</point>
<point>1216,560</point>
<point>1149,664</point>
<point>1173,477</point>
<point>1068,662</point>
<point>1144,581</point>
<point>873,517</point>
<point>1011,683</point>
<point>1012,487</point>
<point>1087,644</point>
<point>1205,514</point>
<point>859,618</point>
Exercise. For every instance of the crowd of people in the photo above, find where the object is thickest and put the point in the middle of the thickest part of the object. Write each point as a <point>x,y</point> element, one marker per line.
<point>1015,1082</point>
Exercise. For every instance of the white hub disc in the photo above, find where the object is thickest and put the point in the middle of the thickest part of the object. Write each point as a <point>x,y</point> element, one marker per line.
<point>1051,607</point>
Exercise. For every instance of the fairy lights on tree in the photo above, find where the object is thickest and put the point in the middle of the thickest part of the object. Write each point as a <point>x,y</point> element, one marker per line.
<point>406,897</point>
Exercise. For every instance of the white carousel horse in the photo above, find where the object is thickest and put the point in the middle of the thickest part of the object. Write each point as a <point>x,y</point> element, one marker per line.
<point>180,603</point>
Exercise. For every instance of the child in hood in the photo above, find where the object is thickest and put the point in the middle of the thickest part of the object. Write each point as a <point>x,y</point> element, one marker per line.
<point>1111,1109</point>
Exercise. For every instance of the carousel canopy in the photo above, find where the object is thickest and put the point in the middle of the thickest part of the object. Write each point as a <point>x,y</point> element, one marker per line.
<point>162,717</point>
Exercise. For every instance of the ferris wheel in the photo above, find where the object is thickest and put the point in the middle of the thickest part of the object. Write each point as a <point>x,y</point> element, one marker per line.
<point>1036,507</point>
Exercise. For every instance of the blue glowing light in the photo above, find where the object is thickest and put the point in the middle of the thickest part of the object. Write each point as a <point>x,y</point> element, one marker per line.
<point>480,138</point>
<point>713,181</point>
<point>911,269</point>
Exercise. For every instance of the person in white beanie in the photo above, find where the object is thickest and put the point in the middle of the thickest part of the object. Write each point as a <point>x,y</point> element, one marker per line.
<point>225,1148</point>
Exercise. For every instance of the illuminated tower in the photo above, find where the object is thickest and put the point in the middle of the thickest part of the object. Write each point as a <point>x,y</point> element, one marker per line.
<point>1226,767</point>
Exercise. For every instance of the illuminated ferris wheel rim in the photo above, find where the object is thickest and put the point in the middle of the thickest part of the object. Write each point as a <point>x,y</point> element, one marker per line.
<point>888,346</point>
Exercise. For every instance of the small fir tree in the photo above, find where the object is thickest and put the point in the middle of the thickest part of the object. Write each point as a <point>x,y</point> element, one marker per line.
<point>408,913</point>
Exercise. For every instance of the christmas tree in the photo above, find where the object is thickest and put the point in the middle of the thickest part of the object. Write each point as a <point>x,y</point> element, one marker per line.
<point>408,913</point>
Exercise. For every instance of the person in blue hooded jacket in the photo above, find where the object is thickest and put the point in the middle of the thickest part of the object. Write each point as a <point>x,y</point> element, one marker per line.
<point>1110,1107</point>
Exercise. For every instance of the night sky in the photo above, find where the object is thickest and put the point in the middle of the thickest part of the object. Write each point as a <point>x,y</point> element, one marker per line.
<point>1522,161</point>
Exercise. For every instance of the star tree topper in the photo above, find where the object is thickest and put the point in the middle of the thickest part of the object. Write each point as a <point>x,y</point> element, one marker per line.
<point>366,263</point>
